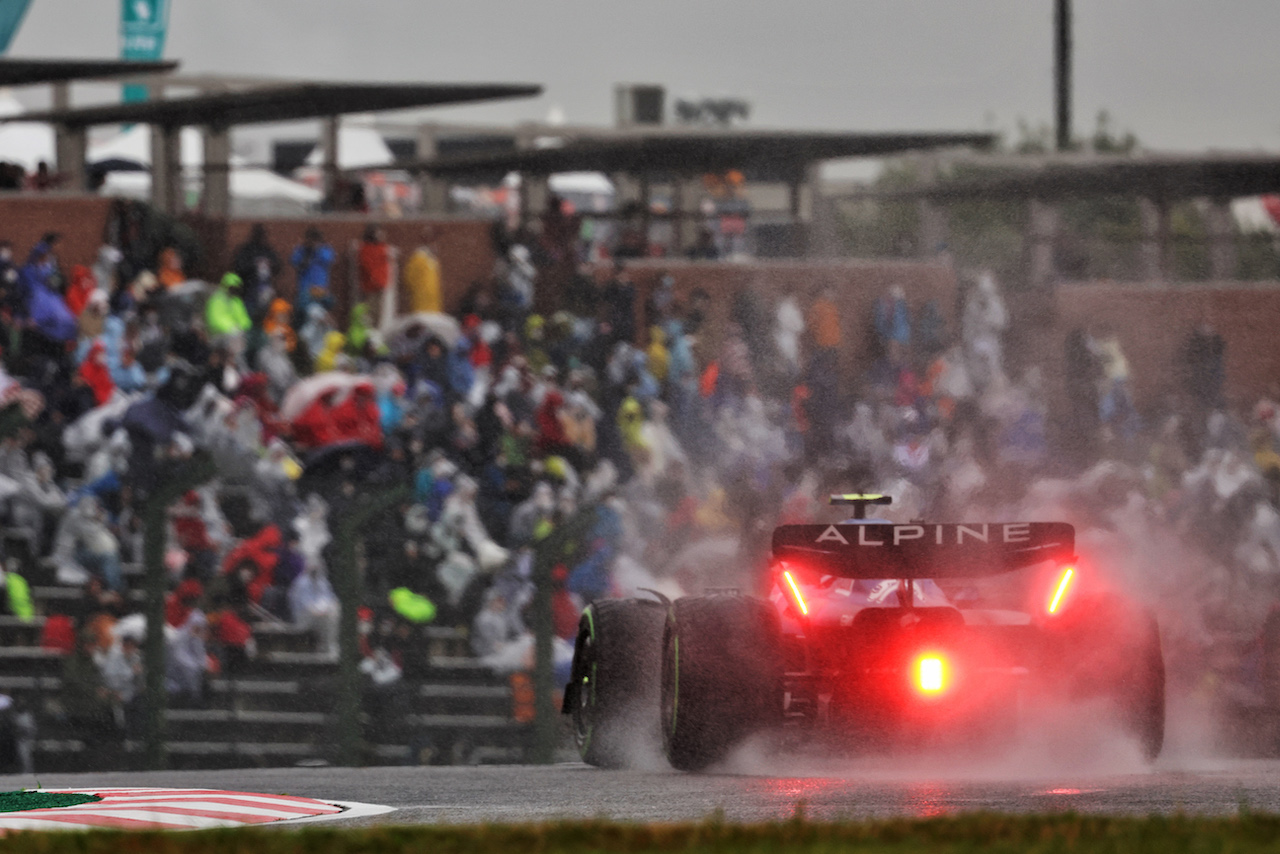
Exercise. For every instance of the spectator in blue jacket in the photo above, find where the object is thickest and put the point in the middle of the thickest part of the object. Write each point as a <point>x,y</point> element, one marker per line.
<point>311,261</point>
<point>44,305</point>
<point>893,318</point>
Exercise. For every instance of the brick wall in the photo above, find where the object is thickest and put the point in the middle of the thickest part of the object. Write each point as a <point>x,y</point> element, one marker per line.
<point>466,254</point>
<point>856,286</point>
<point>1153,324</point>
<point>25,218</point>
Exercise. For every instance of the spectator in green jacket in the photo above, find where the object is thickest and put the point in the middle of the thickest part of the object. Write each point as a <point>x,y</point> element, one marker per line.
<point>225,313</point>
<point>17,596</point>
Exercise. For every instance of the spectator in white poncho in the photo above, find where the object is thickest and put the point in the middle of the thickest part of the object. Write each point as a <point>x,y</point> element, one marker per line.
<point>985,319</point>
<point>38,502</point>
<point>315,608</point>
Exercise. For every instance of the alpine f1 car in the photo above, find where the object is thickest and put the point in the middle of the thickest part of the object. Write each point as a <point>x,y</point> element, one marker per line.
<point>873,633</point>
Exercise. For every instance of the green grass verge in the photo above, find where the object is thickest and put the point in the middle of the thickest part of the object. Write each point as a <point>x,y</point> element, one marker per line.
<point>967,833</point>
<point>25,799</point>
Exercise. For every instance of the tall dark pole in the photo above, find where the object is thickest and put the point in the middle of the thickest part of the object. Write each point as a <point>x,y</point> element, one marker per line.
<point>562,545</point>
<point>1062,71</point>
<point>179,478</point>
<point>346,586</point>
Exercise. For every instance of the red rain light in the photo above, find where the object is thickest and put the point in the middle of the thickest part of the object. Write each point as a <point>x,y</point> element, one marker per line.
<point>1061,590</point>
<point>795,593</point>
<point>931,674</point>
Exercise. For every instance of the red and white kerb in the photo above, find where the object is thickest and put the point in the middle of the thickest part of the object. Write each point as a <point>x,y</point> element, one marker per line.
<point>177,809</point>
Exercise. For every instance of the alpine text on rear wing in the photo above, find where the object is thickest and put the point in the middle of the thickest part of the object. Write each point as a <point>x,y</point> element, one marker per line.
<point>920,550</point>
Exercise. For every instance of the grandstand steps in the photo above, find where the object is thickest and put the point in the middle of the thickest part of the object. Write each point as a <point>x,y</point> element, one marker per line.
<point>282,637</point>
<point>43,596</point>
<point>306,666</point>
<point>17,632</point>
<point>29,661</point>
<point>234,726</point>
<point>278,708</point>
<point>256,694</point>
<point>446,698</point>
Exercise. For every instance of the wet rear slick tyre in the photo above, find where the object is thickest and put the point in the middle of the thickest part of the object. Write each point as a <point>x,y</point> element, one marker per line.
<point>612,695</point>
<point>1271,659</point>
<point>1111,649</point>
<point>722,671</point>
<point>1141,697</point>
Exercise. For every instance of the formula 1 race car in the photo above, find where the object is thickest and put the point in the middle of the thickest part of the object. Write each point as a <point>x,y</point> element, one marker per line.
<point>873,634</point>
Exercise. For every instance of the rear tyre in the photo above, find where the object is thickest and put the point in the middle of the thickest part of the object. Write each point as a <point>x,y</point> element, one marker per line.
<point>612,694</point>
<point>722,672</point>
<point>1114,652</point>
<point>1271,659</point>
<point>1141,696</point>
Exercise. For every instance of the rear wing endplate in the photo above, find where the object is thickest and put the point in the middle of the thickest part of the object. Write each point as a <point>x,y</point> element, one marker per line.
<point>922,551</point>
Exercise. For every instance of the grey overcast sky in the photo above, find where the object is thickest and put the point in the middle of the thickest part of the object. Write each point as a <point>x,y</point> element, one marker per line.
<point>1181,74</point>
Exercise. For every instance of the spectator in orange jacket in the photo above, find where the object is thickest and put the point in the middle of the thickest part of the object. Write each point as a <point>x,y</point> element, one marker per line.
<point>375,275</point>
<point>170,264</point>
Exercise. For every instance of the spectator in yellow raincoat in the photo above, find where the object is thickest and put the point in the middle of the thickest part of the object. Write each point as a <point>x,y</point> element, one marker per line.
<point>659,356</point>
<point>711,513</point>
<point>630,425</point>
<point>328,358</point>
<point>422,277</point>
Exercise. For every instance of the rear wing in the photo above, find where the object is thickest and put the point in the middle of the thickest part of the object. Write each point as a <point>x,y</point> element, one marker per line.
<point>922,551</point>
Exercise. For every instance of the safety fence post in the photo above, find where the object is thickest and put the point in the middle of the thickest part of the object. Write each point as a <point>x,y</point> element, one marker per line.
<point>182,478</point>
<point>559,546</point>
<point>346,583</point>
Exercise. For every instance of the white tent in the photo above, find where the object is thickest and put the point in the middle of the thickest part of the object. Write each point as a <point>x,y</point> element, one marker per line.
<point>134,145</point>
<point>359,146</point>
<point>583,183</point>
<point>25,143</point>
<point>254,190</point>
<point>247,183</point>
<point>1252,216</point>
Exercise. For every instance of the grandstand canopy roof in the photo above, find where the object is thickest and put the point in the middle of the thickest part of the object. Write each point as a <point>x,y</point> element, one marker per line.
<point>26,72</point>
<point>1150,176</point>
<point>283,103</point>
<point>685,151</point>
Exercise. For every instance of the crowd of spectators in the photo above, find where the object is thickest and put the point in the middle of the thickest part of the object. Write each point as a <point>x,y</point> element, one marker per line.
<point>490,427</point>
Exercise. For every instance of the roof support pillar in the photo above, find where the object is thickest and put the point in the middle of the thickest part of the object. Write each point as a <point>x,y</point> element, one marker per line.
<point>69,143</point>
<point>62,95</point>
<point>804,193</point>
<point>824,241</point>
<point>434,190</point>
<point>534,192</point>
<point>686,206</point>
<point>166,169</point>
<point>675,214</point>
<point>1042,237</point>
<point>72,148</point>
<point>631,204</point>
<point>329,170</point>
<point>804,207</point>
<point>1155,240</point>
<point>216,197</point>
<point>1222,240</point>
<point>645,200</point>
<point>935,222</point>
<point>935,228</point>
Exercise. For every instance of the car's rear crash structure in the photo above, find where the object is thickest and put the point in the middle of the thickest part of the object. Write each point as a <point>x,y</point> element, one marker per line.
<point>874,634</point>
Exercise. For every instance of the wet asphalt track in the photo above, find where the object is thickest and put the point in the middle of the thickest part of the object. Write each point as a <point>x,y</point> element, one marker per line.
<point>868,788</point>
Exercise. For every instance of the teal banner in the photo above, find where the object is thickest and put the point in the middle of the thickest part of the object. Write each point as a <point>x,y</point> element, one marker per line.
<point>143,24</point>
<point>11,14</point>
